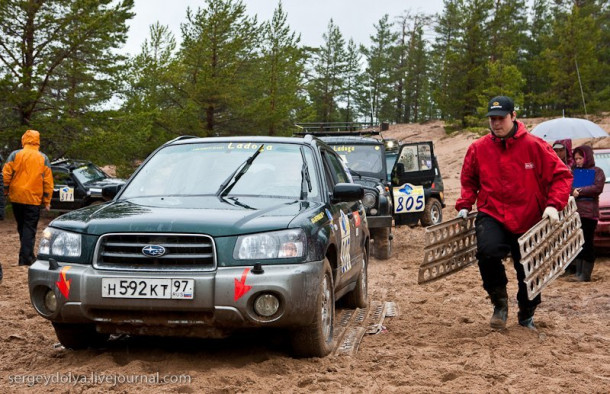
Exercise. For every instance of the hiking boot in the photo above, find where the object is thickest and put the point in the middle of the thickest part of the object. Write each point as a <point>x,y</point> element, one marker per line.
<point>499,298</point>
<point>526,317</point>
<point>570,269</point>
<point>586,270</point>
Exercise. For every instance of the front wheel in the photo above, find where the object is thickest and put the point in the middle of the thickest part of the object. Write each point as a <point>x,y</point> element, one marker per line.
<point>382,243</point>
<point>316,339</point>
<point>433,213</point>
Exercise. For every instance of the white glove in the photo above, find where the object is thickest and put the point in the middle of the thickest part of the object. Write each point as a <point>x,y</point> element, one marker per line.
<point>552,214</point>
<point>462,214</point>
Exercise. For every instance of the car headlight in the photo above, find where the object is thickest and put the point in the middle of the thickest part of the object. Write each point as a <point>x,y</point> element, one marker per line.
<point>369,199</point>
<point>56,242</point>
<point>272,245</point>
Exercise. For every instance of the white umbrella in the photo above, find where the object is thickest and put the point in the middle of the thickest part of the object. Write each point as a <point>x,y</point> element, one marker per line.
<point>564,128</point>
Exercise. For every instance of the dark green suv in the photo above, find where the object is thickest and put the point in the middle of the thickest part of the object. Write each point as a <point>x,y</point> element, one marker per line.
<point>365,158</point>
<point>211,235</point>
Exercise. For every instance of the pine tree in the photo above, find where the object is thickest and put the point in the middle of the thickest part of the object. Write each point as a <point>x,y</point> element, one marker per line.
<point>58,60</point>
<point>328,65</point>
<point>379,60</point>
<point>279,79</point>
<point>219,43</point>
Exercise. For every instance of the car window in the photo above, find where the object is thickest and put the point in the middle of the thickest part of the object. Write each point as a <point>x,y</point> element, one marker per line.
<point>201,169</point>
<point>416,158</point>
<point>337,169</point>
<point>602,160</point>
<point>89,173</point>
<point>61,177</point>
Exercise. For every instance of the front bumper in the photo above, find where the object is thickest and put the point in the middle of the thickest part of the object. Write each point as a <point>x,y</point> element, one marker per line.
<point>219,301</point>
<point>379,221</point>
<point>601,237</point>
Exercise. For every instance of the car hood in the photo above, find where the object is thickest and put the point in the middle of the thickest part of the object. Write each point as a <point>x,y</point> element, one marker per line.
<point>368,181</point>
<point>604,198</point>
<point>204,215</point>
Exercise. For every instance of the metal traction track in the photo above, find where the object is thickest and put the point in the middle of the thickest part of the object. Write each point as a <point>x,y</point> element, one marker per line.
<point>352,324</point>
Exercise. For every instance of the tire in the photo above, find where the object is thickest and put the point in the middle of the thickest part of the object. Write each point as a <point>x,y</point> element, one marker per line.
<point>359,297</point>
<point>382,243</point>
<point>79,336</point>
<point>316,339</point>
<point>433,213</point>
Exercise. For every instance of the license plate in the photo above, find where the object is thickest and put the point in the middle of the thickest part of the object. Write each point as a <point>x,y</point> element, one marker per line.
<point>158,288</point>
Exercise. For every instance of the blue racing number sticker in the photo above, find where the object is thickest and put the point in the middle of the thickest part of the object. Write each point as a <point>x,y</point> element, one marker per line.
<point>409,198</point>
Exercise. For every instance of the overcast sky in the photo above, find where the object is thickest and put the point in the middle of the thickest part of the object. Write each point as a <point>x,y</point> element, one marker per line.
<point>355,18</point>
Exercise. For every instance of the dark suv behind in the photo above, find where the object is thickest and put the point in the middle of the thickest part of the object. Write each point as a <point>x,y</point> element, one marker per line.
<point>365,158</point>
<point>78,183</point>
<point>417,185</point>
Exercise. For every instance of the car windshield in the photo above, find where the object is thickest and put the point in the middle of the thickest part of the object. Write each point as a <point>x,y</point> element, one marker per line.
<point>89,173</point>
<point>221,169</point>
<point>602,160</point>
<point>361,158</point>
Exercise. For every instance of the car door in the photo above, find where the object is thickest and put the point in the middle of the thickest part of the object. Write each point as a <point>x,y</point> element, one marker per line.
<point>348,219</point>
<point>412,174</point>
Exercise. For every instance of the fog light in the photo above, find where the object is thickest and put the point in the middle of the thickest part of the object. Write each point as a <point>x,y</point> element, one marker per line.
<point>266,305</point>
<point>373,211</point>
<point>50,301</point>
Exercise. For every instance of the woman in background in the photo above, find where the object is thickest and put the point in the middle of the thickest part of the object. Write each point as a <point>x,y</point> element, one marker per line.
<point>587,201</point>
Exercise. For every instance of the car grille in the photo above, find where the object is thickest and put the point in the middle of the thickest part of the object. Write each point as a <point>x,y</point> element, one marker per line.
<point>604,214</point>
<point>182,252</point>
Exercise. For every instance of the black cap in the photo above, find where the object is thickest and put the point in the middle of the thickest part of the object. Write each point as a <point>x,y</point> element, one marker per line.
<point>500,106</point>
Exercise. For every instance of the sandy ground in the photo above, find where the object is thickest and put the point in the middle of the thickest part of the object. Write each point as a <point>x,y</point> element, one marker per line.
<point>439,342</point>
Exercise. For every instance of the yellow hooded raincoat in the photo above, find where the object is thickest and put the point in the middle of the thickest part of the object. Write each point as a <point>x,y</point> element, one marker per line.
<point>27,176</point>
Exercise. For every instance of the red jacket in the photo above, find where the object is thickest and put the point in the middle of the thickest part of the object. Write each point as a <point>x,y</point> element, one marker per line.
<point>514,180</point>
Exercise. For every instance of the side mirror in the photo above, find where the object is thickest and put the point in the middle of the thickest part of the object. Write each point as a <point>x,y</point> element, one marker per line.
<point>110,191</point>
<point>347,192</point>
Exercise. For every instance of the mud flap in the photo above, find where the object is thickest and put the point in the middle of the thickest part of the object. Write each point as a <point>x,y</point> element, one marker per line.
<point>547,249</point>
<point>450,247</point>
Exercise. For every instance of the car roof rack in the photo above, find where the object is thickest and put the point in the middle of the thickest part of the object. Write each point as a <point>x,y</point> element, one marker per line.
<point>338,129</point>
<point>181,137</point>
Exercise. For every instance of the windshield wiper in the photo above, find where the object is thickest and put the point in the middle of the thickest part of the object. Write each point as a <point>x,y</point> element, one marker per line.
<point>305,178</point>
<point>225,187</point>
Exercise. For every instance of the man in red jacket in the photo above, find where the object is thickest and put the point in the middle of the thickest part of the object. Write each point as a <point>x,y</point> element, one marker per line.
<point>516,179</point>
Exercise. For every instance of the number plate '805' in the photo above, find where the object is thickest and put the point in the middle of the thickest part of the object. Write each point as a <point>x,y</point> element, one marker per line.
<point>164,288</point>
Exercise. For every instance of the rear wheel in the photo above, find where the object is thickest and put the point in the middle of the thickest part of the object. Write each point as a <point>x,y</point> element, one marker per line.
<point>382,243</point>
<point>316,339</point>
<point>359,298</point>
<point>79,336</point>
<point>433,213</point>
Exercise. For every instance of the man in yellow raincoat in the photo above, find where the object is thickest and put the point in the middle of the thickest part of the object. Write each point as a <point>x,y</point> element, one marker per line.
<point>28,182</point>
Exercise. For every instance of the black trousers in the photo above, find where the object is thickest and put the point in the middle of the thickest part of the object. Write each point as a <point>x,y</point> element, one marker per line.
<point>588,250</point>
<point>27,217</point>
<point>495,242</point>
